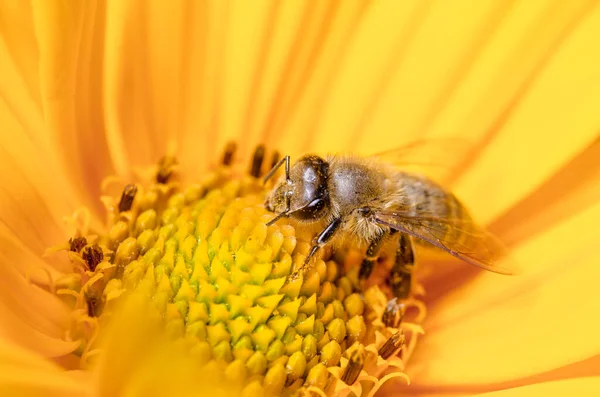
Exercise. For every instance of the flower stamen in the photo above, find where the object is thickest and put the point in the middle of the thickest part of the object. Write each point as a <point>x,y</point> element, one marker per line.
<point>257,161</point>
<point>127,198</point>
<point>92,255</point>
<point>392,345</point>
<point>77,243</point>
<point>354,366</point>
<point>393,314</point>
<point>166,167</point>
<point>230,150</point>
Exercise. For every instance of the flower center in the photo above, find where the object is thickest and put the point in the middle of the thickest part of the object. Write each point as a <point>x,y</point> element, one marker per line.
<point>219,277</point>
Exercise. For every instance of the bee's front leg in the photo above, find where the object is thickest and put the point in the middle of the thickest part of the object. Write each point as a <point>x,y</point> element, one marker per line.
<point>322,238</point>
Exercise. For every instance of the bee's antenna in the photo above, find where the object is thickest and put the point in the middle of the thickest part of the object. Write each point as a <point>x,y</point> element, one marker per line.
<point>286,212</point>
<point>285,160</point>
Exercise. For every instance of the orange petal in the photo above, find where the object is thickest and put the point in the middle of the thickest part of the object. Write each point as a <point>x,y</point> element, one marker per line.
<point>137,359</point>
<point>402,70</point>
<point>589,386</point>
<point>438,69</point>
<point>496,328</point>
<point>549,91</point>
<point>70,37</point>
<point>23,373</point>
<point>19,91</point>
<point>134,107</point>
<point>575,186</point>
<point>35,196</point>
<point>19,52</point>
<point>31,317</point>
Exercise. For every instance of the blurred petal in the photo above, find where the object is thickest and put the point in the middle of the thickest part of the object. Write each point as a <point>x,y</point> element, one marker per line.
<point>309,45</point>
<point>19,44</point>
<point>31,317</point>
<point>576,186</point>
<point>440,69</point>
<point>522,325</point>
<point>23,373</point>
<point>569,387</point>
<point>35,195</point>
<point>70,40</point>
<point>136,110</point>
<point>139,360</point>
<point>17,92</point>
<point>554,119</point>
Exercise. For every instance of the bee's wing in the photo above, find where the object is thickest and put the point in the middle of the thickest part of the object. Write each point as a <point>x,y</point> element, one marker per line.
<point>461,238</point>
<point>438,159</point>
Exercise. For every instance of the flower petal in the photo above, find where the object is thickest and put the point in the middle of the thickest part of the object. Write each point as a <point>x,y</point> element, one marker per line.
<point>19,44</point>
<point>70,40</point>
<point>575,186</point>
<point>139,360</point>
<point>35,195</point>
<point>402,69</point>
<point>31,317</point>
<point>589,386</point>
<point>545,120</point>
<point>437,69</point>
<point>135,129</point>
<point>18,90</point>
<point>522,325</point>
<point>23,373</point>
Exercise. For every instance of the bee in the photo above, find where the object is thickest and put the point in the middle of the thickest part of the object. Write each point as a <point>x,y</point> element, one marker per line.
<point>367,200</point>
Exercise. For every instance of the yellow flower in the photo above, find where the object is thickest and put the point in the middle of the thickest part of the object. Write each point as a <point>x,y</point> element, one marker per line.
<point>92,89</point>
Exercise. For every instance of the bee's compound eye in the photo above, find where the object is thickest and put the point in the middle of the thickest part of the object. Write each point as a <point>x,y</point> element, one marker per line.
<point>312,210</point>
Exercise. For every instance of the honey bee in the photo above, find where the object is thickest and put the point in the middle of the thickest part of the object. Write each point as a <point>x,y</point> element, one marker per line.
<point>367,200</point>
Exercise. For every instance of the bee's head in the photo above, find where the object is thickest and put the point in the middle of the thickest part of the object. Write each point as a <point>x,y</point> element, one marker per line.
<point>306,189</point>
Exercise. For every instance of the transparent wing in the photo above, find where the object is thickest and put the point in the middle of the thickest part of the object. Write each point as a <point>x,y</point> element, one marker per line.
<point>439,159</point>
<point>461,238</point>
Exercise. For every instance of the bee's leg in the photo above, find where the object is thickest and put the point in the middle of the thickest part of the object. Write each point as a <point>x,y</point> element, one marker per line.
<point>401,273</point>
<point>322,239</point>
<point>400,281</point>
<point>366,267</point>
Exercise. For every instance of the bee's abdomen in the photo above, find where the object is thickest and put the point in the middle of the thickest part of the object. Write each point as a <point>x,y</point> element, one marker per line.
<point>439,209</point>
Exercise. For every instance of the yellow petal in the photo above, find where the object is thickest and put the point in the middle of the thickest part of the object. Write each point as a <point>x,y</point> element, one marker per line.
<point>19,52</point>
<point>401,71</point>
<point>548,113</point>
<point>139,360</point>
<point>211,89</point>
<point>23,373</point>
<point>589,386</point>
<point>17,100</point>
<point>69,37</point>
<point>521,325</point>
<point>31,317</point>
<point>35,196</point>
<point>135,128</point>
<point>574,187</point>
